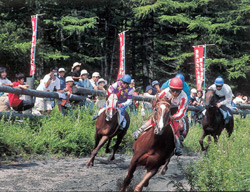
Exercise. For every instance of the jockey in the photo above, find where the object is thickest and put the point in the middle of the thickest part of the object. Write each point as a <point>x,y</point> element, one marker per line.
<point>179,99</point>
<point>224,92</point>
<point>124,92</point>
<point>186,88</point>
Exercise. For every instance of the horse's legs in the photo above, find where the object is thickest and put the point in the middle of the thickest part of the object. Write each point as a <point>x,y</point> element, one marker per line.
<point>164,168</point>
<point>145,179</point>
<point>107,146</point>
<point>209,141</point>
<point>94,152</point>
<point>97,139</point>
<point>230,127</point>
<point>203,135</point>
<point>118,141</point>
<point>131,170</point>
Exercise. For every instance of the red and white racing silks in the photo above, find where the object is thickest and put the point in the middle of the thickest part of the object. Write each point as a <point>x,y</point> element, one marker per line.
<point>181,102</point>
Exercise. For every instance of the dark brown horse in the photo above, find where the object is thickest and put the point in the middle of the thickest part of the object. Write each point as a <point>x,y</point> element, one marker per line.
<point>154,147</point>
<point>107,126</point>
<point>213,122</point>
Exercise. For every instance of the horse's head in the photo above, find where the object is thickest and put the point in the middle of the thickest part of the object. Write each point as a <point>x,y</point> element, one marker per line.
<point>210,99</point>
<point>161,114</point>
<point>111,106</point>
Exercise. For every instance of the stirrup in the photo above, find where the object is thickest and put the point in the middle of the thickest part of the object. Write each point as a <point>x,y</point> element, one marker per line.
<point>136,134</point>
<point>95,117</point>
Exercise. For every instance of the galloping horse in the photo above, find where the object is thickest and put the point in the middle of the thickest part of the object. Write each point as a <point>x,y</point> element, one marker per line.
<point>107,126</point>
<point>154,147</point>
<point>213,122</point>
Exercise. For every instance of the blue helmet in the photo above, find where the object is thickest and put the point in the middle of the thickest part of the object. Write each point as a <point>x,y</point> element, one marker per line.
<point>180,76</point>
<point>219,81</point>
<point>126,78</point>
<point>155,83</point>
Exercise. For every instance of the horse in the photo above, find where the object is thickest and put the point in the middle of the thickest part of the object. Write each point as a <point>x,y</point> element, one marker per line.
<point>107,126</point>
<point>213,122</point>
<point>154,147</point>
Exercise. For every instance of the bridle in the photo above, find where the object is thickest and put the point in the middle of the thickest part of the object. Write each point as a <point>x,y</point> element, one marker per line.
<point>112,107</point>
<point>155,124</point>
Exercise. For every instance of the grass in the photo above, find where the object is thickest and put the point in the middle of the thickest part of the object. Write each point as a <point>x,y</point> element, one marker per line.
<point>225,167</point>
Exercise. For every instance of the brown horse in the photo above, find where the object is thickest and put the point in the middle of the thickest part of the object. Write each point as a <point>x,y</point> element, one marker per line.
<point>154,147</point>
<point>107,126</point>
<point>213,122</point>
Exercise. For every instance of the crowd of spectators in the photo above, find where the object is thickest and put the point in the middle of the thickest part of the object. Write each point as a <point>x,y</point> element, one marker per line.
<point>55,81</point>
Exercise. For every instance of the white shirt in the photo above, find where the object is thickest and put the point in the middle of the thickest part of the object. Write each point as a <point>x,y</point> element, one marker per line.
<point>53,84</point>
<point>226,92</point>
<point>181,102</point>
<point>4,81</point>
<point>238,100</point>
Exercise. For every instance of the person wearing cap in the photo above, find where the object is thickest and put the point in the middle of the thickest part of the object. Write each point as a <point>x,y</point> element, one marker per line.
<point>100,100</point>
<point>156,87</point>
<point>224,93</point>
<point>84,81</point>
<point>148,93</point>
<point>61,73</point>
<point>193,95</point>
<point>178,99</point>
<point>75,72</point>
<point>186,88</point>
<point>48,83</point>
<point>94,80</point>
<point>124,93</point>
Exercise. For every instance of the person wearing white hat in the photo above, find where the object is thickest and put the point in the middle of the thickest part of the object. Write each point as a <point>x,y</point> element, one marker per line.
<point>94,80</point>
<point>84,81</point>
<point>100,100</point>
<point>75,72</point>
<point>61,73</point>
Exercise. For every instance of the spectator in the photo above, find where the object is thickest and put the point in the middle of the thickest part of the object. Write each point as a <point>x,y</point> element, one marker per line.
<point>193,97</point>
<point>132,84</point>
<point>239,99</point>
<point>15,102</point>
<point>94,80</point>
<point>84,81</point>
<point>199,97</point>
<point>148,93</point>
<point>4,100</point>
<point>61,77</point>
<point>156,87</point>
<point>75,72</point>
<point>48,83</point>
<point>100,100</point>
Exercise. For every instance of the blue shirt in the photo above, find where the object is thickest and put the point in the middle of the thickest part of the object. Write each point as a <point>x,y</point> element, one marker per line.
<point>62,82</point>
<point>186,88</point>
<point>84,83</point>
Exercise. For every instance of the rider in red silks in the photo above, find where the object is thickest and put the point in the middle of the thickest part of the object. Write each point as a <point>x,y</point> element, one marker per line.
<point>179,99</point>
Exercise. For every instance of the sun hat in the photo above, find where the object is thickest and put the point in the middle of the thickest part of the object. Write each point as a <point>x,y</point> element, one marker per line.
<point>61,70</point>
<point>84,71</point>
<point>95,74</point>
<point>69,78</point>
<point>76,64</point>
<point>102,80</point>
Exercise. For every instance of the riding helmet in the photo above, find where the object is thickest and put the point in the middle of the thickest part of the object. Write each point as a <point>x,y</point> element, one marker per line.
<point>126,78</point>
<point>176,83</point>
<point>179,75</point>
<point>219,81</point>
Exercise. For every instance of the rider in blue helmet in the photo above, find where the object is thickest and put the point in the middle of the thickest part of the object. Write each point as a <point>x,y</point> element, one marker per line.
<point>224,92</point>
<point>186,88</point>
<point>124,93</point>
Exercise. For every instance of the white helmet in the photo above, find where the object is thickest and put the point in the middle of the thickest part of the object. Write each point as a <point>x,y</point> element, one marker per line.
<point>69,78</point>
<point>193,90</point>
<point>84,71</point>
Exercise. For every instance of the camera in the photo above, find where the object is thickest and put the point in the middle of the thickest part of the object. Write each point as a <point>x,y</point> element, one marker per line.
<point>55,73</point>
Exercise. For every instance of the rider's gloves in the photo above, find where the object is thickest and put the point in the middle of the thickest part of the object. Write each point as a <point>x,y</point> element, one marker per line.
<point>120,105</point>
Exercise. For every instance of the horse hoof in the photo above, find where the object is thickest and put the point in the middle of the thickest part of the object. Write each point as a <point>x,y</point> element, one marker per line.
<point>146,184</point>
<point>111,158</point>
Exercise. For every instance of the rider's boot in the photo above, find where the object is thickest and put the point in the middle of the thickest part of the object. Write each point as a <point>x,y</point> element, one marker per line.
<point>123,124</point>
<point>94,117</point>
<point>137,133</point>
<point>177,151</point>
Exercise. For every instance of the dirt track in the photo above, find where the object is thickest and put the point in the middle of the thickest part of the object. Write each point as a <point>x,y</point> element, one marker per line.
<point>69,174</point>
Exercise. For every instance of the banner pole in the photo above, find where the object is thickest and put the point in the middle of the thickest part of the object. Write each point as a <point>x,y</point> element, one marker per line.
<point>204,61</point>
<point>33,75</point>
<point>124,53</point>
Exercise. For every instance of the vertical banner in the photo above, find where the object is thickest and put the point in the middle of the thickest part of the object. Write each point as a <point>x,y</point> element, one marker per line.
<point>34,19</point>
<point>122,56</point>
<point>199,66</point>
